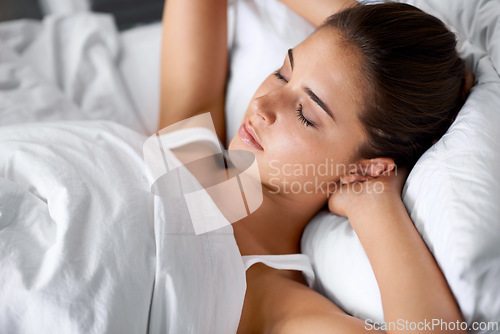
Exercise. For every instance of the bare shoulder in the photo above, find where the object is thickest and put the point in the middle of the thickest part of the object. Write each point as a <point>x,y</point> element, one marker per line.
<point>282,303</point>
<point>311,312</point>
<point>322,323</point>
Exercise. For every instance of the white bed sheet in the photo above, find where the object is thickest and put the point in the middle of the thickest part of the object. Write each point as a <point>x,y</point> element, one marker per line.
<point>77,250</point>
<point>63,68</point>
<point>85,247</point>
<point>139,64</point>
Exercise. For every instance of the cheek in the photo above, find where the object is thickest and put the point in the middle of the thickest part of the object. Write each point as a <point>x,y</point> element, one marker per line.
<point>289,145</point>
<point>312,155</point>
<point>292,157</point>
<point>294,142</point>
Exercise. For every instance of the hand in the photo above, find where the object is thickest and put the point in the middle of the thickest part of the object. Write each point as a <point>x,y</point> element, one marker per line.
<point>367,188</point>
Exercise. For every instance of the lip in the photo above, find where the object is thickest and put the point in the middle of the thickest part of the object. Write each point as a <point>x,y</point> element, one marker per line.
<point>248,135</point>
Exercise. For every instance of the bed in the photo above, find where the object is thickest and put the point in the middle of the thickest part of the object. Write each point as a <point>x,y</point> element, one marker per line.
<point>78,222</point>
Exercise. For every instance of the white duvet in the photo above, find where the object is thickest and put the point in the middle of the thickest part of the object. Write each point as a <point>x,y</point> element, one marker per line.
<point>77,246</point>
<point>77,250</point>
<point>85,247</point>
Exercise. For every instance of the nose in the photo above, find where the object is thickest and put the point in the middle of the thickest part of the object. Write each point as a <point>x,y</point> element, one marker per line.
<point>265,107</point>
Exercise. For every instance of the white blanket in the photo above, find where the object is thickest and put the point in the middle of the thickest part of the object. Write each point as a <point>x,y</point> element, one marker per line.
<point>85,247</point>
<point>64,68</point>
<point>77,247</point>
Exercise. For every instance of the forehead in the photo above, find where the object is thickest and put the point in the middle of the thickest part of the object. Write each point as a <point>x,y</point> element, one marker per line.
<point>333,67</point>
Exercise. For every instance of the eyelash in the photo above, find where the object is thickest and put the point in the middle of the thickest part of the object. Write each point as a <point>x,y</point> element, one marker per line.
<point>300,115</point>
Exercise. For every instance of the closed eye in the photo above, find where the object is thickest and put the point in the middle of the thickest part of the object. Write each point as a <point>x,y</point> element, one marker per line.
<point>278,75</point>
<point>303,119</point>
<point>300,115</point>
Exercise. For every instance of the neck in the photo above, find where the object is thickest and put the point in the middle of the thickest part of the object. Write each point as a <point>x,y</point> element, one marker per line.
<point>276,226</point>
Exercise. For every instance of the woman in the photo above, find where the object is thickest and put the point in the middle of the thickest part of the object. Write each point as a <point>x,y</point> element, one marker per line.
<point>362,92</point>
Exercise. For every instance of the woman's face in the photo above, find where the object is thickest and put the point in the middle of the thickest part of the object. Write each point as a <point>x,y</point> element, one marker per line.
<point>302,123</point>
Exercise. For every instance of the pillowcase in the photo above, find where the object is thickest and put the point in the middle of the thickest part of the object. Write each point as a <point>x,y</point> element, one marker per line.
<point>452,193</point>
<point>139,66</point>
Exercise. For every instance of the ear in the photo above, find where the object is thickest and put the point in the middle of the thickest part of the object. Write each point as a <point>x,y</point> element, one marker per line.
<point>365,169</point>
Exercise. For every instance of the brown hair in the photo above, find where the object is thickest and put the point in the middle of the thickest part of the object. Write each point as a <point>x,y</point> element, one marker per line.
<point>414,77</point>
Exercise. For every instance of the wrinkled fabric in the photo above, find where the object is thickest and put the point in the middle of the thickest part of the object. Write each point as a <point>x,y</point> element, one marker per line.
<point>77,250</point>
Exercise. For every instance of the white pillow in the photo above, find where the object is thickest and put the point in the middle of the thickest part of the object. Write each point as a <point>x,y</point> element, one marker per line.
<point>140,69</point>
<point>452,193</point>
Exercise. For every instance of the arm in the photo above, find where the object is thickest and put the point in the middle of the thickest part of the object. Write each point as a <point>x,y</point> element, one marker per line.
<point>194,61</point>
<point>316,11</point>
<point>411,284</point>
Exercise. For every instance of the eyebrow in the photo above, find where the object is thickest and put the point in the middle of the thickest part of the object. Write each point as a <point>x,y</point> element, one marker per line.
<point>309,92</point>
<point>319,102</point>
